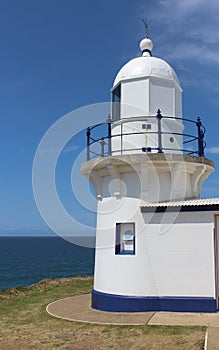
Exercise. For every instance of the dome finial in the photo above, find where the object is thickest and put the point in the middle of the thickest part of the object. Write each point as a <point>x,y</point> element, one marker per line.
<point>146,44</point>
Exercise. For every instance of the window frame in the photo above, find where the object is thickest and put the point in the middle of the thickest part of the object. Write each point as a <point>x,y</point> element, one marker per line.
<point>120,242</point>
<point>116,103</point>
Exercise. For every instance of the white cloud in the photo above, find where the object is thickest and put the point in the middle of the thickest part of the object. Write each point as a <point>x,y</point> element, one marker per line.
<point>213,150</point>
<point>193,52</point>
<point>181,7</point>
<point>66,149</point>
<point>15,84</point>
<point>71,148</point>
<point>185,29</point>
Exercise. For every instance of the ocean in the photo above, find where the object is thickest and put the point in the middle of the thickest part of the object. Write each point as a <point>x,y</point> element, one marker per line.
<point>27,260</point>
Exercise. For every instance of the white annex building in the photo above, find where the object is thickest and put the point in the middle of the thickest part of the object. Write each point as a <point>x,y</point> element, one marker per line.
<point>156,240</point>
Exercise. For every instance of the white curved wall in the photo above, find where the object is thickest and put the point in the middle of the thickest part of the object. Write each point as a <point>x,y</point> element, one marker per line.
<point>133,143</point>
<point>177,262</point>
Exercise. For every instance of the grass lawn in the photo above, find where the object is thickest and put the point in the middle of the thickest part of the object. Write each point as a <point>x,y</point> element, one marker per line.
<point>24,324</point>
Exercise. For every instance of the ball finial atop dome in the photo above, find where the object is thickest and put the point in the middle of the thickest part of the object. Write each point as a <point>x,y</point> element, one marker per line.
<point>146,46</point>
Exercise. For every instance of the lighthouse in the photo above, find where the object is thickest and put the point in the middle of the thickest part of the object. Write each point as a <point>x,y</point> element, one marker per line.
<point>156,239</point>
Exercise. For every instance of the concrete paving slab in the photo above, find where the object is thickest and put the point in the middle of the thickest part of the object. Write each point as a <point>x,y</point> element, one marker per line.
<point>78,309</point>
<point>213,338</point>
<point>185,319</point>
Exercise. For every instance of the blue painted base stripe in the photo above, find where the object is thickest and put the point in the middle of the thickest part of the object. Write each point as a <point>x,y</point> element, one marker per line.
<point>120,303</point>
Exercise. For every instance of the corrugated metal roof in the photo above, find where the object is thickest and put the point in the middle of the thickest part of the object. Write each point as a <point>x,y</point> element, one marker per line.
<point>181,203</point>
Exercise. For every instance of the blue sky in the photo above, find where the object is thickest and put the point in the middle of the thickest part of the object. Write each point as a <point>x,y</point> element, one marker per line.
<point>56,56</point>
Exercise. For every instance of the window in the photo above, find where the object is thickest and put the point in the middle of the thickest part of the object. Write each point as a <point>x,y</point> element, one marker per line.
<point>116,98</point>
<point>171,139</point>
<point>125,239</point>
<point>146,126</point>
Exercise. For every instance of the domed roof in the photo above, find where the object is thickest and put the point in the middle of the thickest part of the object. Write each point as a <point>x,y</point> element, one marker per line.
<point>146,66</point>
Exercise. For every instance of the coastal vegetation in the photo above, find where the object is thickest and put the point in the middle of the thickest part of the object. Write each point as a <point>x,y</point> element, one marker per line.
<point>25,324</point>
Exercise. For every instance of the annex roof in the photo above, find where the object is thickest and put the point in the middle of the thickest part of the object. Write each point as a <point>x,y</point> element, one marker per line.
<point>182,205</point>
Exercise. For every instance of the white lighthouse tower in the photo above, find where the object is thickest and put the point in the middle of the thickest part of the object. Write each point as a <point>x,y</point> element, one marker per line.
<point>155,238</point>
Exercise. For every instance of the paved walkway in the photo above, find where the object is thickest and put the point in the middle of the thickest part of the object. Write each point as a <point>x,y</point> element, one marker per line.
<point>78,309</point>
<point>213,338</point>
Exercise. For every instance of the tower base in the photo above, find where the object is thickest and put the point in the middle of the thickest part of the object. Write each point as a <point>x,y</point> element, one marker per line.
<point>123,303</point>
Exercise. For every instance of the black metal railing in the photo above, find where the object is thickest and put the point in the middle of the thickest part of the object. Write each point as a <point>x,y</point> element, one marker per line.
<point>102,146</point>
